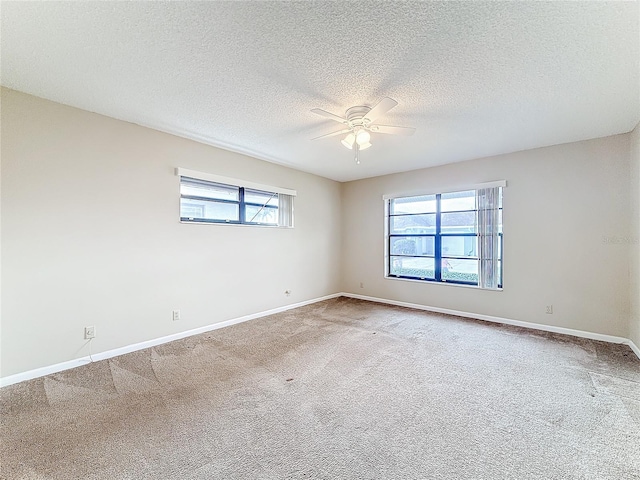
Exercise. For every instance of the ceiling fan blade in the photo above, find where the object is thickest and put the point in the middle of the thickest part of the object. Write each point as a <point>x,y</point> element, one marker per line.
<point>380,109</point>
<point>324,113</point>
<point>340,132</point>
<point>392,130</point>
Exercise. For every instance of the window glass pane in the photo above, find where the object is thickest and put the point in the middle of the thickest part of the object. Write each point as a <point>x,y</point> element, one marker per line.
<point>261,198</point>
<point>208,210</point>
<point>191,209</point>
<point>413,224</point>
<point>412,237</point>
<point>255,214</point>
<point>216,191</point>
<point>459,270</point>
<point>459,222</point>
<point>460,246</point>
<point>454,201</point>
<point>422,204</point>
<point>412,246</point>
<point>415,267</point>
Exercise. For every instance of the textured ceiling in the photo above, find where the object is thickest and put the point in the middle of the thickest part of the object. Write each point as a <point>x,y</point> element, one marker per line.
<point>474,78</point>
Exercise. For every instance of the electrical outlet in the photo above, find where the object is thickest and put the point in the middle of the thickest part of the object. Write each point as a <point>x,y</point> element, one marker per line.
<point>549,309</point>
<point>361,284</point>
<point>176,315</point>
<point>89,333</point>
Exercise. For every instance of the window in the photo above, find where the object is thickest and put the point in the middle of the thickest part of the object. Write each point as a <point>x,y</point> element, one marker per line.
<point>206,198</point>
<point>453,237</point>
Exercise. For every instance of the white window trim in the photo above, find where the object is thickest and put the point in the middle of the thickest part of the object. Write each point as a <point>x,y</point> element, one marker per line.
<point>446,284</point>
<point>460,188</point>
<point>210,177</point>
<point>414,193</point>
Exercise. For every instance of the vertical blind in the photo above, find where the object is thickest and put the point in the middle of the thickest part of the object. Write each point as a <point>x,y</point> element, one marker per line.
<point>285,210</point>
<point>488,201</point>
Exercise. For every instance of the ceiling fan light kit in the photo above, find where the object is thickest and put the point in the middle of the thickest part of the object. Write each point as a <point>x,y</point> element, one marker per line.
<point>349,140</point>
<point>363,137</point>
<point>359,122</point>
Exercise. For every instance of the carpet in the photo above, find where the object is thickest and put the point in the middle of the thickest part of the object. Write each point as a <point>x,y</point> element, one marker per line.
<point>340,389</point>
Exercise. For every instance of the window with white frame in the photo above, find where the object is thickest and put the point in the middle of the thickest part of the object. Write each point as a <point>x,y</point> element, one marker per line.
<point>452,237</point>
<point>207,198</point>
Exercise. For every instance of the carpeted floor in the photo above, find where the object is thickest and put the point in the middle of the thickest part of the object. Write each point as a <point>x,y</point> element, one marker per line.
<point>342,389</point>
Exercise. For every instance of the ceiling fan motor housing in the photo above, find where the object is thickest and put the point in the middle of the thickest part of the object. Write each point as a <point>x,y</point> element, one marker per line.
<point>356,117</point>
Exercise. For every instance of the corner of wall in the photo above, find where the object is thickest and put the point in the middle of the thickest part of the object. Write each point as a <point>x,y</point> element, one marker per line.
<point>343,234</point>
<point>634,243</point>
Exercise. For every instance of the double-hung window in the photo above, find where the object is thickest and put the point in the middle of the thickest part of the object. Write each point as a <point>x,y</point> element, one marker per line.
<point>453,237</point>
<point>207,198</point>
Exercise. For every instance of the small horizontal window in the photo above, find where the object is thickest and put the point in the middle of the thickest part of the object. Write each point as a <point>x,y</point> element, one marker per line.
<point>203,201</point>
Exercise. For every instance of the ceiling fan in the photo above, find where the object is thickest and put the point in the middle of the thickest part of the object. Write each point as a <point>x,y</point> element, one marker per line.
<point>359,123</point>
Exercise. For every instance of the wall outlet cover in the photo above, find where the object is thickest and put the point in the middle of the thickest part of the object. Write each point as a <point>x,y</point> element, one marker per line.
<point>89,333</point>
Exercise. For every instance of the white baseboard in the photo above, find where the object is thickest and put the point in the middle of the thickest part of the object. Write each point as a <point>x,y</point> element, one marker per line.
<point>633,347</point>
<point>506,321</point>
<point>59,367</point>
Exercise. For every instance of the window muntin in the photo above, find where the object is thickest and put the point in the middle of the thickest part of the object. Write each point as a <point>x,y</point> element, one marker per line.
<point>203,201</point>
<point>451,232</point>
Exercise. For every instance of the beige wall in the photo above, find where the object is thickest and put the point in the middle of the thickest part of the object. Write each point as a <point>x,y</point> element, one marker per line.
<point>634,244</point>
<point>90,236</point>
<point>566,218</point>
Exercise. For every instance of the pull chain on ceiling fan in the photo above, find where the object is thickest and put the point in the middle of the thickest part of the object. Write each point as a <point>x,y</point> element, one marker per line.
<point>360,123</point>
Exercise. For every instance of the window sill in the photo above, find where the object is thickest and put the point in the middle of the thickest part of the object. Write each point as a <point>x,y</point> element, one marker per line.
<point>448,284</point>
<point>234,224</point>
